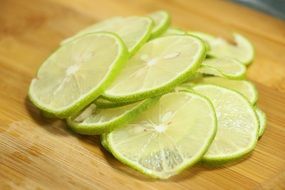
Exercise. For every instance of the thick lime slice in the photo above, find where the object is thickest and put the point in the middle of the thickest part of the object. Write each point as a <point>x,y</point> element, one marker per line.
<point>170,136</point>
<point>237,124</point>
<point>242,50</point>
<point>157,67</point>
<point>161,22</point>
<point>134,31</point>
<point>224,67</point>
<point>262,121</point>
<point>77,73</point>
<point>246,88</point>
<point>94,120</point>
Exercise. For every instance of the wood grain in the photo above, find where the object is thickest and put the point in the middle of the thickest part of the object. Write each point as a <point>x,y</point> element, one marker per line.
<point>36,153</point>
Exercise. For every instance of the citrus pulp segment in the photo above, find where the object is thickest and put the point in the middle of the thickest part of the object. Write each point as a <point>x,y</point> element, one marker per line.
<point>77,73</point>
<point>168,137</point>
<point>157,67</point>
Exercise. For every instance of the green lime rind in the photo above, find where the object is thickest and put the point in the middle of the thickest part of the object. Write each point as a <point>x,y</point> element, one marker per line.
<point>220,67</point>
<point>166,87</point>
<point>225,162</point>
<point>108,143</point>
<point>118,22</point>
<point>173,31</point>
<point>161,20</point>
<point>244,87</point>
<point>95,128</point>
<point>103,103</point>
<point>86,99</point>
<point>262,121</point>
<point>219,94</point>
<point>104,143</point>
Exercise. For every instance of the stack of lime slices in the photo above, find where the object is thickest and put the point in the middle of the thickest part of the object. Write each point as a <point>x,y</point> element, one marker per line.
<point>162,99</point>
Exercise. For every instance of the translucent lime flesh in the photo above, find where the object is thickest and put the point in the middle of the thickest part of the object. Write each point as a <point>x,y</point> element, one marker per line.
<point>168,137</point>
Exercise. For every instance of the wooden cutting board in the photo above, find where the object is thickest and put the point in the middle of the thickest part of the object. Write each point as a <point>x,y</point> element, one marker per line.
<point>36,153</point>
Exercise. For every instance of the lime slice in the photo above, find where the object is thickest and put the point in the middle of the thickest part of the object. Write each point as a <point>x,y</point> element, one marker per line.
<point>77,73</point>
<point>237,124</point>
<point>224,67</point>
<point>134,31</point>
<point>170,136</point>
<point>94,120</point>
<point>161,22</point>
<point>262,121</point>
<point>244,87</point>
<point>242,50</point>
<point>157,67</point>
<point>173,31</point>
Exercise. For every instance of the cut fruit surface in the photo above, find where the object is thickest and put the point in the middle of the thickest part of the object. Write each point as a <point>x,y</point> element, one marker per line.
<point>238,125</point>
<point>74,75</point>
<point>94,120</point>
<point>134,31</point>
<point>262,121</point>
<point>244,87</point>
<point>224,67</point>
<point>157,67</point>
<point>161,22</point>
<point>168,137</point>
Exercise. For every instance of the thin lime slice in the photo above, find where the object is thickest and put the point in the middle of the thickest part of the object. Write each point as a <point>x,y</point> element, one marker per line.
<point>77,73</point>
<point>244,87</point>
<point>237,124</point>
<point>157,67</point>
<point>224,67</point>
<point>170,136</point>
<point>242,50</point>
<point>94,120</point>
<point>134,31</point>
<point>262,121</point>
<point>161,22</point>
<point>173,31</point>
<point>104,103</point>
